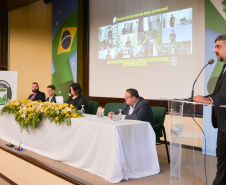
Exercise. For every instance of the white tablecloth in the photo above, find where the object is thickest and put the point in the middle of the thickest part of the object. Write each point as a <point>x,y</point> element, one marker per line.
<point>113,150</point>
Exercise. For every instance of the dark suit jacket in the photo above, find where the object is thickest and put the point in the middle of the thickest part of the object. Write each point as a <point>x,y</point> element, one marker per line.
<point>53,99</point>
<point>142,111</point>
<point>39,96</point>
<point>219,98</point>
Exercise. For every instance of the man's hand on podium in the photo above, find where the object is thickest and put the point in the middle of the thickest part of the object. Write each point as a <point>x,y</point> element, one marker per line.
<point>201,99</point>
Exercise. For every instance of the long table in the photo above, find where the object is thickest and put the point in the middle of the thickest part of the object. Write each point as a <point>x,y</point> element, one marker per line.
<point>113,150</point>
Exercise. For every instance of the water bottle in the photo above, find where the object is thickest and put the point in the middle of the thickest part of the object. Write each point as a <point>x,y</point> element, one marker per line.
<point>100,114</point>
<point>117,118</point>
<point>113,117</point>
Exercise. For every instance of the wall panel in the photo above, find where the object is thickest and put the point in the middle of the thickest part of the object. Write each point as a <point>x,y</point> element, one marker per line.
<point>30,46</point>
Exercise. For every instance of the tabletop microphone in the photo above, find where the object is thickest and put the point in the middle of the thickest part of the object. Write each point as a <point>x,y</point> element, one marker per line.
<point>192,92</point>
<point>19,148</point>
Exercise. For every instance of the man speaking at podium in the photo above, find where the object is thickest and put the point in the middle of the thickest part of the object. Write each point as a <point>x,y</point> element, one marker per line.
<point>219,113</point>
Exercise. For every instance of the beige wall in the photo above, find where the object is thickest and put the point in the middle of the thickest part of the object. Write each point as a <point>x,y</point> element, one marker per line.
<point>30,46</point>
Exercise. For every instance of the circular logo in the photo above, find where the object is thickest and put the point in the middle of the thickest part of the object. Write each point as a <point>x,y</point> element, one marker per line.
<point>173,61</point>
<point>66,39</point>
<point>5,92</point>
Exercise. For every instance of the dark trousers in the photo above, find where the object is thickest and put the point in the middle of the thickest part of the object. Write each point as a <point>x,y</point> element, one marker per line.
<point>220,178</point>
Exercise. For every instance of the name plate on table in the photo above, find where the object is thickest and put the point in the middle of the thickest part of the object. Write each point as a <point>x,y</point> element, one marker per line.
<point>59,99</point>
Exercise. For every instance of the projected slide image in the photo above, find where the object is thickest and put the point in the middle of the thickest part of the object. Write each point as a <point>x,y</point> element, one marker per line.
<point>126,46</point>
<point>106,54</point>
<point>156,47</point>
<point>177,18</point>
<point>147,37</point>
<point>127,27</point>
<point>177,48</point>
<point>107,37</point>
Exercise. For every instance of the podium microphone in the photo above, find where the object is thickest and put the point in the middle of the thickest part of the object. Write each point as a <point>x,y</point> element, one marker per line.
<point>192,92</point>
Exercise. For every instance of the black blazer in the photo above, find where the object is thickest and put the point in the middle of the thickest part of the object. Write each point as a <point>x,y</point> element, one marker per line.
<point>77,102</point>
<point>219,98</point>
<point>142,111</point>
<point>39,96</point>
<point>53,99</point>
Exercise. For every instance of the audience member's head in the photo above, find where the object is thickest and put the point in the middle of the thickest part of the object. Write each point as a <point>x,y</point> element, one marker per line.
<point>35,87</point>
<point>51,90</point>
<point>75,89</point>
<point>131,96</point>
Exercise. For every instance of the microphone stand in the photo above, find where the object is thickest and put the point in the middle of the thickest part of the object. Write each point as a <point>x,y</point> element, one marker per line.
<point>192,92</point>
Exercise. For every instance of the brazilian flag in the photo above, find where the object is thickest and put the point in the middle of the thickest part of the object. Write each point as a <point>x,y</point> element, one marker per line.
<point>63,46</point>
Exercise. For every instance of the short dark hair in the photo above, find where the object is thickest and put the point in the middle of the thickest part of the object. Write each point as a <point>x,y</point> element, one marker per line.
<point>52,87</point>
<point>35,83</point>
<point>133,92</point>
<point>76,87</point>
<point>221,37</point>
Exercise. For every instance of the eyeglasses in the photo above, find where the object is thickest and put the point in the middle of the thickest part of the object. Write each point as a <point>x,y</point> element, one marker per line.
<point>126,97</point>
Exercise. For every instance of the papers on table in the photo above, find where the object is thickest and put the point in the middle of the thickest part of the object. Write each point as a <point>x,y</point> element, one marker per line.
<point>59,99</point>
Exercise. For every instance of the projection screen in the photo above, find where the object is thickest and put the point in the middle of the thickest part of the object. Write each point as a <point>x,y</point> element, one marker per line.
<point>154,46</point>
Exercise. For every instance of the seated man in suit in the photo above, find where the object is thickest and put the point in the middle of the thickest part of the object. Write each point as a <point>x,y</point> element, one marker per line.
<point>51,93</point>
<point>135,107</point>
<point>37,95</point>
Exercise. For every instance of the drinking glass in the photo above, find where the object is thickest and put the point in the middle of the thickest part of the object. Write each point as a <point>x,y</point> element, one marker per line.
<point>120,113</point>
<point>82,109</point>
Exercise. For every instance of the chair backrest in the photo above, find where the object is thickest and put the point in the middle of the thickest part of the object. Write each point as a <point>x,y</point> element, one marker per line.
<point>93,106</point>
<point>112,107</point>
<point>159,114</point>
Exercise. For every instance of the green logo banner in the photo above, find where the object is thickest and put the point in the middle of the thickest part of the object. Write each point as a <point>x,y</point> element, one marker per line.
<point>3,95</point>
<point>214,10</point>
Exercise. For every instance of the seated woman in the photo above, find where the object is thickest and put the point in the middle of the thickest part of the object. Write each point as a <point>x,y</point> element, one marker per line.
<point>76,98</point>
